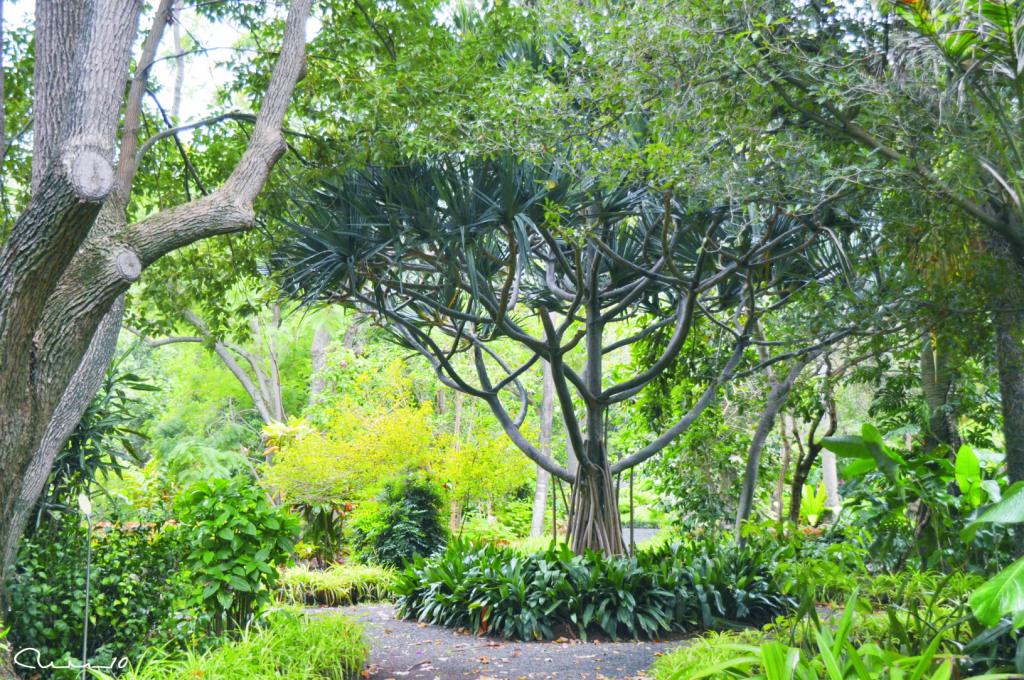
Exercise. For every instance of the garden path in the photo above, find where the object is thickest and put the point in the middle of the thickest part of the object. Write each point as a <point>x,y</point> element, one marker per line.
<point>407,650</point>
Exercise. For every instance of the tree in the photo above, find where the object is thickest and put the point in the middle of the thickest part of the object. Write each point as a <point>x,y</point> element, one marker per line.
<point>929,94</point>
<point>453,255</point>
<point>72,252</point>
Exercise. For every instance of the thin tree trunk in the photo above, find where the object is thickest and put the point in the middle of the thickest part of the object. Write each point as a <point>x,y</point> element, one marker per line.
<point>937,384</point>
<point>830,476</point>
<point>1010,353</point>
<point>547,416</point>
<point>787,455</point>
<point>318,361</point>
<point>179,63</point>
<point>776,400</point>
<point>455,519</point>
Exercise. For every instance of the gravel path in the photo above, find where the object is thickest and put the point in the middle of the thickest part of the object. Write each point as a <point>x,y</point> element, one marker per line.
<point>414,651</point>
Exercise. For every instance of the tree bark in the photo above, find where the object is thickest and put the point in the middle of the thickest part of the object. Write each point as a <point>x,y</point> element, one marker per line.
<point>938,383</point>
<point>787,456</point>
<point>1010,354</point>
<point>547,417</point>
<point>72,406</point>
<point>61,271</point>
<point>830,476</point>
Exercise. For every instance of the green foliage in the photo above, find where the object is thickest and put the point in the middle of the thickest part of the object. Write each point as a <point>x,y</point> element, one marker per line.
<point>236,544</point>
<point>825,652</point>
<point>291,646</point>
<point>100,445</point>
<point>338,585</point>
<point>404,523</point>
<point>904,500</point>
<point>488,589</point>
<point>137,598</point>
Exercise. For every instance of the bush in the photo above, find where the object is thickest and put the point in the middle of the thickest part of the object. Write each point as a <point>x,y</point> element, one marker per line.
<point>707,651</point>
<point>237,542</point>
<point>841,649</point>
<point>292,647</point>
<point>341,584</point>
<point>488,589</point>
<point>404,523</point>
<point>136,597</point>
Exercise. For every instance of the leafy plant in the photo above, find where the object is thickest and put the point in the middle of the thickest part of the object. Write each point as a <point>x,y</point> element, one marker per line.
<point>290,646</point>
<point>341,584</point>
<point>405,522</point>
<point>137,597</point>
<point>237,542</point>
<point>827,653</point>
<point>486,588</point>
<point>814,504</point>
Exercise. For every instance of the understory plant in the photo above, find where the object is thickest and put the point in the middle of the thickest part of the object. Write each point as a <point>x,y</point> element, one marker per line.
<point>338,585</point>
<point>489,589</point>
<point>830,650</point>
<point>237,542</point>
<point>403,523</point>
<point>137,597</point>
<point>286,646</point>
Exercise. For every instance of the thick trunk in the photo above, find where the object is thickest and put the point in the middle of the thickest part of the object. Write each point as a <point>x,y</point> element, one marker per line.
<point>79,393</point>
<point>547,417</point>
<point>1010,351</point>
<point>594,512</point>
<point>59,274</point>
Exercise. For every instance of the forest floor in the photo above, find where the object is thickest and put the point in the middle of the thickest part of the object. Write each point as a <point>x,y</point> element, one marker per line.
<point>414,651</point>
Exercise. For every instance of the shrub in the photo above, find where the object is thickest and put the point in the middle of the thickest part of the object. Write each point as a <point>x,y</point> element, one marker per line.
<point>488,589</point>
<point>236,544</point>
<point>838,650</point>
<point>341,584</point>
<point>405,522</point>
<point>292,647</point>
<point>707,651</point>
<point>136,597</point>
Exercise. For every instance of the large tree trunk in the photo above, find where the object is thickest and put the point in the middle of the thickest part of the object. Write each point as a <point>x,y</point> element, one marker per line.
<point>938,383</point>
<point>1010,352</point>
<point>594,509</point>
<point>76,399</point>
<point>547,417</point>
<point>62,269</point>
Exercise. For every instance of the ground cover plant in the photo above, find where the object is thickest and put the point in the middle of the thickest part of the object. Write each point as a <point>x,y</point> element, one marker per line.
<point>338,585</point>
<point>493,590</point>
<point>288,644</point>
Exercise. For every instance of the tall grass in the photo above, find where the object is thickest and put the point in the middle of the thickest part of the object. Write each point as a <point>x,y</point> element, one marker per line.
<point>340,585</point>
<point>293,646</point>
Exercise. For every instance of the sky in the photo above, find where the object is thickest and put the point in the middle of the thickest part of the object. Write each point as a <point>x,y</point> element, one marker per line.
<point>203,73</point>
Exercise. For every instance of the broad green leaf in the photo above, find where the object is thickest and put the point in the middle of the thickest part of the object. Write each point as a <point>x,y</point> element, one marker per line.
<point>1009,510</point>
<point>968,474</point>
<point>859,467</point>
<point>1001,595</point>
<point>847,446</point>
<point>778,661</point>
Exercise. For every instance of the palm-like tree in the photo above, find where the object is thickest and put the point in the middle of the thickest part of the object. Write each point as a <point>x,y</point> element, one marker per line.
<point>453,254</point>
